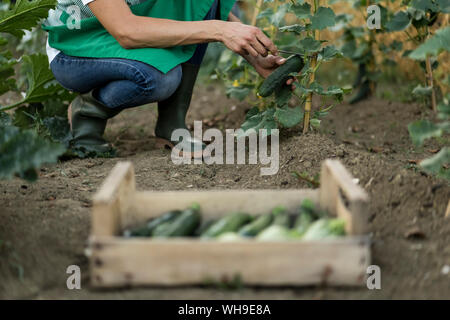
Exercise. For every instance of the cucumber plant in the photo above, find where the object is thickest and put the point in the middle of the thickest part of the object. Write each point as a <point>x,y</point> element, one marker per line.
<point>304,38</point>
<point>23,148</point>
<point>417,21</point>
<point>421,130</point>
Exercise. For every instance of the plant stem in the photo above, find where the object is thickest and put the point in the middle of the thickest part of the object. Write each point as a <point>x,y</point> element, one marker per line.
<point>257,11</point>
<point>12,106</point>
<point>313,63</point>
<point>429,76</point>
<point>430,83</point>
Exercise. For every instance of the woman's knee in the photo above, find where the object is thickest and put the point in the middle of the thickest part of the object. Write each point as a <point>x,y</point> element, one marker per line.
<point>167,84</point>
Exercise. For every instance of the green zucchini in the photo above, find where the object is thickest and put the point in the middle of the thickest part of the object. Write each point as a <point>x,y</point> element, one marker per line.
<point>184,225</point>
<point>325,228</point>
<point>258,225</point>
<point>151,225</point>
<point>279,77</point>
<point>274,233</point>
<point>281,217</point>
<point>229,223</point>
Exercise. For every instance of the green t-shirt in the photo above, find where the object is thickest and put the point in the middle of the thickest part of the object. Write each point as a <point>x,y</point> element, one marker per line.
<point>92,40</point>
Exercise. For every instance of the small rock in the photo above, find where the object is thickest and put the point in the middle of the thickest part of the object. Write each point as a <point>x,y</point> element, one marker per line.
<point>445,270</point>
<point>307,164</point>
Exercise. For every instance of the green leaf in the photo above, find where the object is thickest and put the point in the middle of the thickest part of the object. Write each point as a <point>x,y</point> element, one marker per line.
<point>278,17</point>
<point>260,120</point>
<point>444,110</point>
<point>323,18</point>
<point>423,129</point>
<point>59,129</point>
<point>283,95</point>
<point>239,93</point>
<point>424,5</point>
<point>438,164</point>
<point>434,45</point>
<point>422,91</point>
<point>289,117</point>
<point>7,63</point>
<point>302,11</point>
<point>399,22</point>
<point>40,81</point>
<point>329,52</point>
<point>5,119</point>
<point>444,5</point>
<point>24,16</point>
<point>310,45</point>
<point>23,152</point>
<point>296,28</point>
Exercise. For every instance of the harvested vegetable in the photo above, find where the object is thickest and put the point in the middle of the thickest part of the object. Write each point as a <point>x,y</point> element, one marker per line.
<point>147,230</point>
<point>280,217</point>
<point>183,226</point>
<point>229,223</point>
<point>258,225</point>
<point>229,237</point>
<point>275,233</point>
<point>325,228</point>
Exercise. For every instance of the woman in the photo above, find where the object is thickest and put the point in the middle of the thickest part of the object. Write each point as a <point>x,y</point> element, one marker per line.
<point>121,54</point>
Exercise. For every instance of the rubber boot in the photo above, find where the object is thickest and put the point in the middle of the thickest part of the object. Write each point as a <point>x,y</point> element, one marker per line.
<point>89,118</point>
<point>172,114</point>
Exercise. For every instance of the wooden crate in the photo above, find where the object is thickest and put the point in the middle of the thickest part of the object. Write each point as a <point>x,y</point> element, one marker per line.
<point>116,261</point>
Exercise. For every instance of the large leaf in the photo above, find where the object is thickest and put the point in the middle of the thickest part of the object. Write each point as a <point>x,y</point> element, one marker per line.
<point>289,117</point>
<point>423,129</point>
<point>424,5</point>
<point>310,45</point>
<point>259,120</point>
<point>7,62</point>
<point>399,22</point>
<point>24,15</point>
<point>302,11</point>
<point>329,52</point>
<point>438,164</point>
<point>444,5</point>
<point>323,18</point>
<point>23,152</point>
<point>433,46</point>
<point>39,78</point>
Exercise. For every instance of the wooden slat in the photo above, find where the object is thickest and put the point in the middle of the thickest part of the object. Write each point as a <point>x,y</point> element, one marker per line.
<point>112,199</point>
<point>183,262</point>
<point>213,204</point>
<point>340,196</point>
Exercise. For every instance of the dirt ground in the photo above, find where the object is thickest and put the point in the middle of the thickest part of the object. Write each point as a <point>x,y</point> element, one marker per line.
<point>44,226</point>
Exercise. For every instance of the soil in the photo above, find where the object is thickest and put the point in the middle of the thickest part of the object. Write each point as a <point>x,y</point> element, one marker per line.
<point>44,226</point>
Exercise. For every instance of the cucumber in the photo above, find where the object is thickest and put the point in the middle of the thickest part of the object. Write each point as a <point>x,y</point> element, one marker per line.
<point>229,237</point>
<point>204,226</point>
<point>307,215</point>
<point>184,225</point>
<point>279,77</point>
<point>281,217</point>
<point>274,233</point>
<point>230,223</point>
<point>258,225</point>
<point>151,225</point>
<point>325,228</point>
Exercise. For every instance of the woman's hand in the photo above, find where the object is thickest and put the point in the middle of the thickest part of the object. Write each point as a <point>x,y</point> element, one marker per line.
<point>246,40</point>
<point>266,65</point>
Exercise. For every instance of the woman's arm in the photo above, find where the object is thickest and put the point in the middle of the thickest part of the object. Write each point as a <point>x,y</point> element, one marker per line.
<point>133,31</point>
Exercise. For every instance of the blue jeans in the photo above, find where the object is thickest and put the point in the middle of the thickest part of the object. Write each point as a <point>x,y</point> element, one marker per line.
<point>122,83</point>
